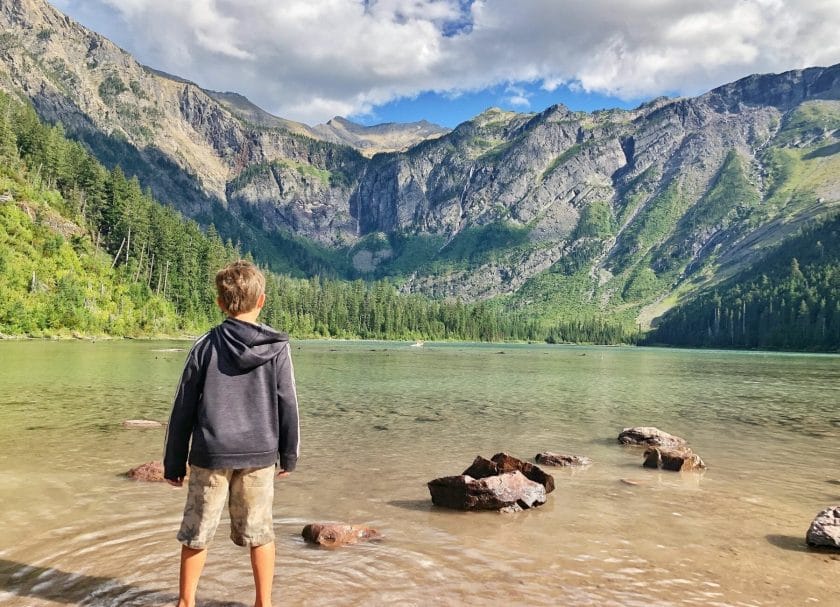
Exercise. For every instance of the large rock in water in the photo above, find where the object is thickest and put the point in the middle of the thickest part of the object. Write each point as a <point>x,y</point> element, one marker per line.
<point>507,492</point>
<point>678,460</point>
<point>502,463</point>
<point>547,458</point>
<point>333,535</point>
<point>649,436</point>
<point>825,529</point>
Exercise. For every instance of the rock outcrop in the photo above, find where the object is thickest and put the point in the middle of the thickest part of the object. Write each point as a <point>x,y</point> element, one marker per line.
<point>677,460</point>
<point>547,458</point>
<point>502,463</point>
<point>650,437</point>
<point>333,535</point>
<point>503,483</point>
<point>824,531</point>
<point>508,492</point>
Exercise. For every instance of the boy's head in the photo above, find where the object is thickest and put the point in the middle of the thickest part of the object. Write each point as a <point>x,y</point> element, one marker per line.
<point>241,288</point>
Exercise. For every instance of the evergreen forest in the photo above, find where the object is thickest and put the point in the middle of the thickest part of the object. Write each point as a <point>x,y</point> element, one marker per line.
<point>790,300</point>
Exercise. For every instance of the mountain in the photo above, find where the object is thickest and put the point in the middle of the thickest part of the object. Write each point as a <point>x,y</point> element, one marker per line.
<point>379,138</point>
<point>84,251</point>
<point>369,140</point>
<point>559,213</point>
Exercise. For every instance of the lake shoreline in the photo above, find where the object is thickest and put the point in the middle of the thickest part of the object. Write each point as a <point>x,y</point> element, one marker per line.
<point>76,336</point>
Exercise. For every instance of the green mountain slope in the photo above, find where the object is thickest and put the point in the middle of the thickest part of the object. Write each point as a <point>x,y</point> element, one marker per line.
<point>790,300</point>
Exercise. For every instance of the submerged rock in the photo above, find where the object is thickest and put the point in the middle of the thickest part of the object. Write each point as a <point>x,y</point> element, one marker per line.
<point>333,535</point>
<point>547,458</point>
<point>825,529</point>
<point>151,472</point>
<point>678,460</point>
<point>141,423</point>
<point>507,492</point>
<point>649,436</point>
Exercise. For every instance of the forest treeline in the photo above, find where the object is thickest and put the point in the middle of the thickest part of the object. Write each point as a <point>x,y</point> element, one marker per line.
<point>85,249</point>
<point>790,300</point>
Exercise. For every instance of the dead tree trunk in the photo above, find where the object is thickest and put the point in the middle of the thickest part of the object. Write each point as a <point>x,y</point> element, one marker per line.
<point>117,256</point>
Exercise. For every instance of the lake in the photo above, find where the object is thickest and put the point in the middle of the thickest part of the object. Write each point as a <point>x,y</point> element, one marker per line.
<point>379,420</point>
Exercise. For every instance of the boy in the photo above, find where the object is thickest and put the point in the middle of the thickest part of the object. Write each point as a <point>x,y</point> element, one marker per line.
<point>237,402</point>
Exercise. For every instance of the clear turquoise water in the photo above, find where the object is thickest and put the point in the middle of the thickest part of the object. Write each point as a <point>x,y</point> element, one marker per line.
<point>381,419</point>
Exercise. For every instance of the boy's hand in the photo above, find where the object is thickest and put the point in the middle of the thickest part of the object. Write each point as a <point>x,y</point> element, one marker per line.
<point>176,482</point>
<point>282,473</point>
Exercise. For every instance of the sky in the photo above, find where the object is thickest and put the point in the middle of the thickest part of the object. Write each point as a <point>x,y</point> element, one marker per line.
<point>445,61</point>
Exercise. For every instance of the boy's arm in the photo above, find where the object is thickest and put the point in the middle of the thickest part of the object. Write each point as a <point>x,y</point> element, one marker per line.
<point>288,447</point>
<point>182,419</point>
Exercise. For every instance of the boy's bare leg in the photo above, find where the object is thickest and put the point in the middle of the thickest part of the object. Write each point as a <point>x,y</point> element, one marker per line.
<point>262,563</point>
<point>192,564</point>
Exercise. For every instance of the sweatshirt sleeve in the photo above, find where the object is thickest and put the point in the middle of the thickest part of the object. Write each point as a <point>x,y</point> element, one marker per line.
<point>288,448</point>
<point>182,418</point>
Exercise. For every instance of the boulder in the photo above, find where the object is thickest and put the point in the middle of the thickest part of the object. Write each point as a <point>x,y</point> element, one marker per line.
<point>507,492</point>
<point>151,472</point>
<point>547,458</point>
<point>825,529</point>
<point>649,436</point>
<point>502,463</point>
<point>333,535</point>
<point>141,423</point>
<point>678,460</point>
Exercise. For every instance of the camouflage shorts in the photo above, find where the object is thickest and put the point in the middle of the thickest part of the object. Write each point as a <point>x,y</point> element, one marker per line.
<point>249,493</point>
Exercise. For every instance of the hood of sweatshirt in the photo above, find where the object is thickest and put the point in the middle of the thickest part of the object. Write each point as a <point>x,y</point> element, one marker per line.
<point>246,346</point>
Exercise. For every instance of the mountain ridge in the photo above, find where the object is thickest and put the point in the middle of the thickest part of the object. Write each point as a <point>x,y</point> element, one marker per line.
<point>611,212</point>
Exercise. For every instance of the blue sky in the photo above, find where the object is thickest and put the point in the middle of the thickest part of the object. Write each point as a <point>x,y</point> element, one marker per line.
<point>447,60</point>
<point>450,110</point>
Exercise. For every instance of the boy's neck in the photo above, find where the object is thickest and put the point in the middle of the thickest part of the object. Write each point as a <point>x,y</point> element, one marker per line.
<point>249,317</point>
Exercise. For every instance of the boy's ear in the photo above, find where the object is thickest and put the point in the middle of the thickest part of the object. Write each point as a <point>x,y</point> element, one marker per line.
<point>221,304</point>
<point>261,300</point>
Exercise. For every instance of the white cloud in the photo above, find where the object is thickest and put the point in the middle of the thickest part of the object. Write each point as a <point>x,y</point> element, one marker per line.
<point>517,96</point>
<point>309,60</point>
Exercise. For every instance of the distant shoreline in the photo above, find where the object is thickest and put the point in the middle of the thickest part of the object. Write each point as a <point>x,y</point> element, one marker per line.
<point>75,336</point>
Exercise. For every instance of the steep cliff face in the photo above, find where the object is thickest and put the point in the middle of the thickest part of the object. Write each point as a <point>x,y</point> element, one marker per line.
<point>190,148</point>
<point>682,183</point>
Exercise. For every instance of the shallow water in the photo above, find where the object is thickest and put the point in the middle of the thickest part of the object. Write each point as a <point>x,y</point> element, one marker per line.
<point>381,419</point>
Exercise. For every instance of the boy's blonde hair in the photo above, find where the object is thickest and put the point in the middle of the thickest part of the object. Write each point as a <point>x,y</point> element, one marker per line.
<point>239,285</point>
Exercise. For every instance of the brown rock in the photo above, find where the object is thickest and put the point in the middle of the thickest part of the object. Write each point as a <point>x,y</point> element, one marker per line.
<point>508,492</point>
<point>508,463</point>
<point>650,436</point>
<point>333,535</point>
<point>678,460</point>
<point>481,468</point>
<point>825,529</point>
<point>151,472</point>
<point>547,458</point>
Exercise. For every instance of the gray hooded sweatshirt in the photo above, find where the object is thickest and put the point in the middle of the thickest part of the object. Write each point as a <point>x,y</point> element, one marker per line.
<point>236,401</point>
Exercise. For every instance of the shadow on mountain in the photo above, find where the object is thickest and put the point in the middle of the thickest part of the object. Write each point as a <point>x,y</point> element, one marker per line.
<point>826,150</point>
<point>242,225</point>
